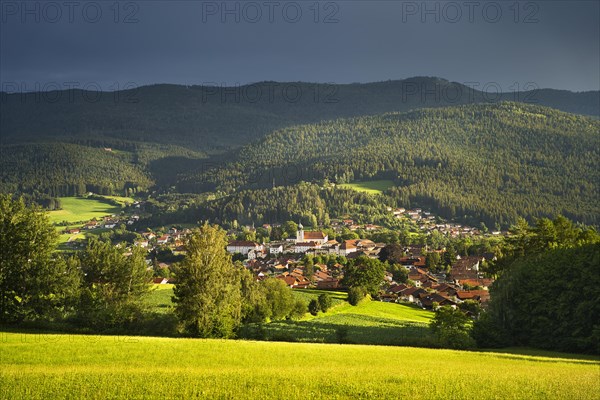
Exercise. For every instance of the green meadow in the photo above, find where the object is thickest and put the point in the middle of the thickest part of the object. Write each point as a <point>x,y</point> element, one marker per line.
<point>52,366</point>
<point>372,187</point>
<point>370,322</point>
<point>78,209</point>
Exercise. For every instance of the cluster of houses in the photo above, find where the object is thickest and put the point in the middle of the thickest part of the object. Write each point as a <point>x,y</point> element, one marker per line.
<point>281,259</point>
<point>108,222</point>
<point>428,222</point>
<point>425,289</point>
<point>294,275</point>
<point>174,239</point>
<point>307,242</point>
<point>464,282</point>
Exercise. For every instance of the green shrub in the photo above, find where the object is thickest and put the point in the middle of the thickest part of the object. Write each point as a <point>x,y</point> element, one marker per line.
<point>324,302</point>
<point>313,307</point>
<point>355,295</point>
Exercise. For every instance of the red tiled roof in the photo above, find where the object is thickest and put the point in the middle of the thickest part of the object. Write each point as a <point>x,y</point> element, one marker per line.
<point>314,235</point>
<point>473,294</point>
<point>289,280</point>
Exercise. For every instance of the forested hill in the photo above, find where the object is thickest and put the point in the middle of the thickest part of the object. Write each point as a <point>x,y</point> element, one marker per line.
<point>215,118</point>
<point>474,162</point>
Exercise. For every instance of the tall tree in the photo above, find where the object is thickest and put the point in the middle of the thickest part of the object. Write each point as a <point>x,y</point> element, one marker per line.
<point>207,294</point>
<point>114,283</point>
<point>34,282</point>
<point>365,273</point>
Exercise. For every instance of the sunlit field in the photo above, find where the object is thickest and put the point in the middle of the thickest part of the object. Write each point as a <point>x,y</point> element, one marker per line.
<point>77,209</point>
<point>49,366</point>
<point>372,187</point>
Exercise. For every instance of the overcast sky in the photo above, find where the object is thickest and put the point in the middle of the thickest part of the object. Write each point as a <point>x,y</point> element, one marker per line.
<point>552,44</point>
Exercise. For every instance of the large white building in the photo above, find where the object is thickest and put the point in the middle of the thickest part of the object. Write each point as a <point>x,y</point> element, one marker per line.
<point>243,247</point>
<point>316,237</point>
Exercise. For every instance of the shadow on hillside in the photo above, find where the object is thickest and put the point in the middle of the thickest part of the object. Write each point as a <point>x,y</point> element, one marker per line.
<point>531,354</point>
<point>344,329</point>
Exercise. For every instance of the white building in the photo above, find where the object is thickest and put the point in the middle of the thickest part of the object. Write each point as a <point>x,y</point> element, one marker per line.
<point>243,247</point>
<point>306,237</point>
<point>276,248</point>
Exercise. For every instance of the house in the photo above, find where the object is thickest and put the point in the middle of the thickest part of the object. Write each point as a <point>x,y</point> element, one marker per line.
<point>275,248</point>
<point>328,283</point>
<point>164,239</point>
<point>92,225</point>
<point>253,254</point>
<point>482,296</point>
<point>349,246</point>
<point>412,294</point>
<point>288,279</point>
<point>321,276</point>
<point>303,247</point>
<point>142,243</point>
<point>243,247</point>
<point>148,235</point>
<point>160,281</point>
<point>484,283</point>
<point>394,289</point>
<point>445,289</point>
<point>428,301</point>
<point>371,227</point>
<point>73,231</point>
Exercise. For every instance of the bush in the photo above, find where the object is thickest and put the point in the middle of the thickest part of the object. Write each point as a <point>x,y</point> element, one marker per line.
<point>324,302</point>
<point>355,295</point>
<point>313,307</point>
<point>341,334</point>
<point>451,328</point>
<point>298,310</point>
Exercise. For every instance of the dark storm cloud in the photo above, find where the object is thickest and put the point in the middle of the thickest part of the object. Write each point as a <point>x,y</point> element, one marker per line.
<point>552,44</point>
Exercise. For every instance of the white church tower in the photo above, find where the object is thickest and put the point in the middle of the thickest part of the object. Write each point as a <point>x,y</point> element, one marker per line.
<point>300,233</point>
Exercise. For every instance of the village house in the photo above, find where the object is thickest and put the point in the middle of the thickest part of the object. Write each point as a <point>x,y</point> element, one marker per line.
<point>429,300</point>
<point>301,247</point>
<point>275,248</point>
<point>482,296</point>
<point>164,239</point>
<point>93,224</point>
<point>148,235</point>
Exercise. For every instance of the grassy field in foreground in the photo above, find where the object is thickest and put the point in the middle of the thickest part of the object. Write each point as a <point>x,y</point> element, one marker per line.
<point>372,187</point>
<point>36,366</point>
<point>76,209</point>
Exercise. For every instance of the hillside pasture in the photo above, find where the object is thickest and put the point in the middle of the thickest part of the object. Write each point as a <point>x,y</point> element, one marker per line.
<point>48,366</point>
<point>371,187</point>
<point>79,209</point>
<point>370,322</point>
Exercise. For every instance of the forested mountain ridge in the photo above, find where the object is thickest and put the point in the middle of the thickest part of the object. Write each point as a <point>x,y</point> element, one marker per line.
<point>70,169</point>
<point>490,163</point>
<point>214,118</point>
